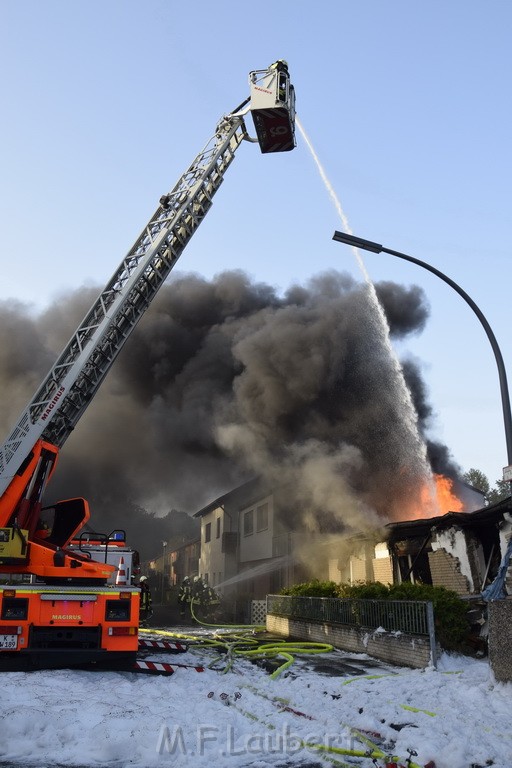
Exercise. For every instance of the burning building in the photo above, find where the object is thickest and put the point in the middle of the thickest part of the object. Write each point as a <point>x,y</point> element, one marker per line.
<point>225,380</point>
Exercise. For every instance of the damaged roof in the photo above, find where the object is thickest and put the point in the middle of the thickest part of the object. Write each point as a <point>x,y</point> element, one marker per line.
<point>487,515</point>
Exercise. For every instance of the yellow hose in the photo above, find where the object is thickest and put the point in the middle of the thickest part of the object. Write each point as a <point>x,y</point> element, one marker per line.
<point>236,644</point>
<point>285,649</point>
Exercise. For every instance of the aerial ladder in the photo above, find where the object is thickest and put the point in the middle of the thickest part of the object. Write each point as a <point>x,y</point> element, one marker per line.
<point>69,613</point>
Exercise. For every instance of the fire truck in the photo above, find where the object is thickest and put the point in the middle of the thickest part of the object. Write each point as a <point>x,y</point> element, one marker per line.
<point>58,605</point>
<point>110,548</point>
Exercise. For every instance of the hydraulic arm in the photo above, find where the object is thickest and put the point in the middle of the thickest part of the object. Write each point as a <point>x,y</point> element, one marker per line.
<point>73,380</point>
<point>29,454</point>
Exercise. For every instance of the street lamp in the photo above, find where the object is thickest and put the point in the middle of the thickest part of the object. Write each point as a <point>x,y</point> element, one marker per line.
<point>369,245</point>
<point>164,545</point>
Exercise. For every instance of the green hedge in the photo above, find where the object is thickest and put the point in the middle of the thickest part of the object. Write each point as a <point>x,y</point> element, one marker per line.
<point>313,588</point>
<point>450,612</point>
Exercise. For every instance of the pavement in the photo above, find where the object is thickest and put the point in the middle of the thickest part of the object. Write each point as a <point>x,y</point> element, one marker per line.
<point>335,663</point>
<point>168,616</point>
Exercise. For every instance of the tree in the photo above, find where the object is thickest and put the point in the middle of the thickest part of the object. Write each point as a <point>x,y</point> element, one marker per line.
<point>499,492</point>
<point>478,480</point>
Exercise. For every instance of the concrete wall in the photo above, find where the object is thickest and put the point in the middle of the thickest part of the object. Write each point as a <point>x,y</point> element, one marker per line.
<point>401,649</point>
<point>500,639</point>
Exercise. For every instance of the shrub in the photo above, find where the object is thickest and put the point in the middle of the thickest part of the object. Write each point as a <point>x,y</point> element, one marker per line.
<point>313,588</point>
<point>450,612</point>
<point>371,590</point>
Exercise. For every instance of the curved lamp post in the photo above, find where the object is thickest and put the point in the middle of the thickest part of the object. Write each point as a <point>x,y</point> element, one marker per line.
<point>368,245</point>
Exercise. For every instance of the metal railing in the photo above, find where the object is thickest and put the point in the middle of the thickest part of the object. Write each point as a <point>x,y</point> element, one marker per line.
<point>410,616</point>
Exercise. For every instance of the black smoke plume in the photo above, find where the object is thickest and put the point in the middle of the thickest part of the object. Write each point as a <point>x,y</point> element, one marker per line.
<point>226,380</point>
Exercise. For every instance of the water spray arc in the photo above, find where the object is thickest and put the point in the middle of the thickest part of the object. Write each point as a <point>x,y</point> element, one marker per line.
<point>414,449</point>
<point>369,245</point>
<point>258,570</point>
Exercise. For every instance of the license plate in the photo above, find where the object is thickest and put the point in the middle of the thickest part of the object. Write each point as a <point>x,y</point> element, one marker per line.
<point>8,642</point>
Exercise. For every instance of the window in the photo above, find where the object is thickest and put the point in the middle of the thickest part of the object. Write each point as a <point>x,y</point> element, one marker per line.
<point>248,522</point>
<point>218,528</point>
<point>262,517</point>
<point>208,532</point>
<point>117,610</point>
<point>16,608</point>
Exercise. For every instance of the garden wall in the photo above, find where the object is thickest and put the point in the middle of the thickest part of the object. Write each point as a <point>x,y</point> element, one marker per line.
<point>500,639</point>
<point>393,647</point>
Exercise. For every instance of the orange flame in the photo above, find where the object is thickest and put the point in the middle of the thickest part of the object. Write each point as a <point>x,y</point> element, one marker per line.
<point>435,498</point>
<point>446,498</point>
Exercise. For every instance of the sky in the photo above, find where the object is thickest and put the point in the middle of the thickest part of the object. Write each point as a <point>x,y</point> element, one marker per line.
<point>406,105</point>
<point>456,716</point>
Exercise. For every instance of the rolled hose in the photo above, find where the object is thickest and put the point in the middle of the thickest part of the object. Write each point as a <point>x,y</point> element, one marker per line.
<point>232,644</point>
<point>236,644</point>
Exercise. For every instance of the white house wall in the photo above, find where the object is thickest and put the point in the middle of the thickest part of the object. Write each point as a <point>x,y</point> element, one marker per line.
<point>212,560</point>
<point>258,544</point>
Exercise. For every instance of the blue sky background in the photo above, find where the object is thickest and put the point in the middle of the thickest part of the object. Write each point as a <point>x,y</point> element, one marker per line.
<point>407,103</point>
